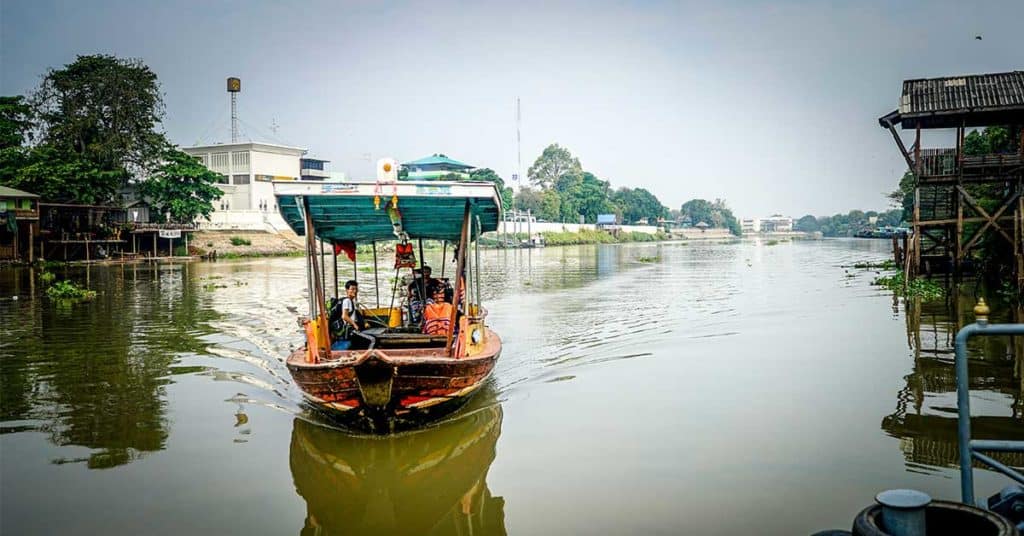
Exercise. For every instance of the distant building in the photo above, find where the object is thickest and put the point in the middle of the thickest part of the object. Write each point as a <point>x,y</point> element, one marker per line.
<point>435,167</point>
<point>246,171</point>
<point>771,224</point>
<point>777,224</point>
<point>608,222</point>
<point>19,224</point>
<point>313,169</point>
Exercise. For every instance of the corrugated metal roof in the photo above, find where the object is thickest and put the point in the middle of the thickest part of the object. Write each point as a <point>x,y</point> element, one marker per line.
<point>11,192</point>
<point>963,93</point>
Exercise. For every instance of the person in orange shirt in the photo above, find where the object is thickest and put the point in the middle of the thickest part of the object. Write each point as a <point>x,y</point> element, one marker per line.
<point>438,314</point>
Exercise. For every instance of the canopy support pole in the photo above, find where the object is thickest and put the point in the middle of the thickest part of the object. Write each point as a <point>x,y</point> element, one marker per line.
<point>334,253</point>
<point>376,281</point>
<point>444,253</point>
<point>323,272</point>
<point>423,276</point>
<point>458,277</point>
<point>318,290</point>
<point>476,266</point>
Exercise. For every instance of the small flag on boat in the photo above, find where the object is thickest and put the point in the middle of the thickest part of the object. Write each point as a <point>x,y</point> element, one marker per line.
<point>348,247</point>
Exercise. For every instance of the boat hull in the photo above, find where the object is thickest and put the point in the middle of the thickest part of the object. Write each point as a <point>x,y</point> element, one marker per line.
<point>388,390</point>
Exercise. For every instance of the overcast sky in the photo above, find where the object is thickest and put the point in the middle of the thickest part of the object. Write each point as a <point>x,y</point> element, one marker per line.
<point>770,105</point>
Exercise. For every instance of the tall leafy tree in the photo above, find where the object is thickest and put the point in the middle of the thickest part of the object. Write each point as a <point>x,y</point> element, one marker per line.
<point>807,224</point>
<point>555,168</point>
<point>590,198</point>
<point>715,214</point>
<point>67,177</point>
<point>489,175</point>
<point>638,203</point>
<point>697,210</point>
<point>529,199</point>
<point>104,109</point>
<point>550,205</point>
<point>15,127</point>
<point>181,187</point>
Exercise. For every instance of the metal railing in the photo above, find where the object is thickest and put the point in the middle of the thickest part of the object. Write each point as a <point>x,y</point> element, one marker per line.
<point>972,449</point>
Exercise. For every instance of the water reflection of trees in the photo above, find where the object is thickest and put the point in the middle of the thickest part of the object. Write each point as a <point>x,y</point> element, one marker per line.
<point>95,374</point>
<point>925,417</point>
<point>430,482</point>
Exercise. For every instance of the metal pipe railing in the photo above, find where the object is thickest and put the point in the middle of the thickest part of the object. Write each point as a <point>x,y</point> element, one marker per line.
<point>969,450</point>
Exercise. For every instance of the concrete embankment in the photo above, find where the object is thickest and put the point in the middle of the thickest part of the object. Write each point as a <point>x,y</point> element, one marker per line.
<point>248,243</point>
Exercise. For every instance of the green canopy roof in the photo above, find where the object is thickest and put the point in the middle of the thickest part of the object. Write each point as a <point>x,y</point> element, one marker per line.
<point>438,159</point>
<point>346,211</point>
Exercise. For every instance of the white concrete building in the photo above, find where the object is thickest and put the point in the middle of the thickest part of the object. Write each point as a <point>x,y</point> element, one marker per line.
<point>771,224</point>
<point>246,170</point>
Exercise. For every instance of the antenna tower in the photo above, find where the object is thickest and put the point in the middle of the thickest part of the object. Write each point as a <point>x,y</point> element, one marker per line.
<point>234,88</point>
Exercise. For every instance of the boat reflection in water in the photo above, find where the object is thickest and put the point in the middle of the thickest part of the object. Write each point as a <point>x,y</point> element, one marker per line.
<point>433,481</point>
<point>925,420</point>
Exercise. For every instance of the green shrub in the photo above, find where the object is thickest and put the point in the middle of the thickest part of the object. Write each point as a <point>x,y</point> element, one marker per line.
<point>47,277</point>
<point>239,241</point>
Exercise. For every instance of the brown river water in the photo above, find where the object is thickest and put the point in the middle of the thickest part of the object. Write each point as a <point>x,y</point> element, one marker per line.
<point>739,388</point>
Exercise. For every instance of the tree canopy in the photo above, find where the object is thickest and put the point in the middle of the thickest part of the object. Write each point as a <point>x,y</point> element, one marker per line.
<point>103,108</point>
<point>90,129</point>
<point>181,187</point>
<point>555,168</point>
<point>715,214</point>
<point>563,191</point>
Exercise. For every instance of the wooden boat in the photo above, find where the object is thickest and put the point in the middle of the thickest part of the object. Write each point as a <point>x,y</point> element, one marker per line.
<point>406,378</point>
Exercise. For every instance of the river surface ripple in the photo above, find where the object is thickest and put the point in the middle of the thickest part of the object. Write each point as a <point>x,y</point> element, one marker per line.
<point>719,388</point>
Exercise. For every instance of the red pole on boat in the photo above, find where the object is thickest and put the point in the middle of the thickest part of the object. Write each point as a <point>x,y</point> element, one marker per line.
<point>458,278</point>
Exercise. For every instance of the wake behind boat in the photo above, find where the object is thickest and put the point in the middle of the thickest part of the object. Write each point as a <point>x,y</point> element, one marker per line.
<point>405,368</point>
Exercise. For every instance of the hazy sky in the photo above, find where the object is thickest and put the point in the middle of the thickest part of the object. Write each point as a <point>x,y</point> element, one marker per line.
<point>770,105</point>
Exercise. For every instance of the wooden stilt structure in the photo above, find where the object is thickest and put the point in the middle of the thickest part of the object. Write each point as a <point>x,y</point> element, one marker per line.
<point>949,222</point>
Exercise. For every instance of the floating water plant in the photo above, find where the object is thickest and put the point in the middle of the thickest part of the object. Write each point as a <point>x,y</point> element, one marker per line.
<point>69,292</point>
<point>917,288</point>
<point>887,264</point>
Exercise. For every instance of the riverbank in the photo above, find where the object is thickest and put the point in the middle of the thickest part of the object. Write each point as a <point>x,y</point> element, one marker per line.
<point>569,238</point>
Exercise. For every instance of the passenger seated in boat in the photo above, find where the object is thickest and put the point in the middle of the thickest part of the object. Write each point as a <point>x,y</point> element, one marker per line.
<point>352,319</point>
<point>414,297</point>
<point>438,314</point>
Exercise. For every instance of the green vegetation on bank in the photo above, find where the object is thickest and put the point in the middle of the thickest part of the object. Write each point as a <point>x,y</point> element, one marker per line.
<point>848,224</point>
<point>714,214</point>
<point>563,191</point>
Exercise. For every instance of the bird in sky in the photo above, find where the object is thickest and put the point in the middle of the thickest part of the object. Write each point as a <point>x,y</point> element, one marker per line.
<point>977,37</point>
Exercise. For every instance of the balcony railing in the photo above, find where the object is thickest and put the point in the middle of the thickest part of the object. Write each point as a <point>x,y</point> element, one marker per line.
<point>943,163</point>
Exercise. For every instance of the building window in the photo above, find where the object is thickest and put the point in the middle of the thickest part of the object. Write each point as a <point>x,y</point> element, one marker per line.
<point>222,179</point>
<point>241,179</point>
<point>219,161</point>
<point>240,161</point>
<point>313,164</point>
